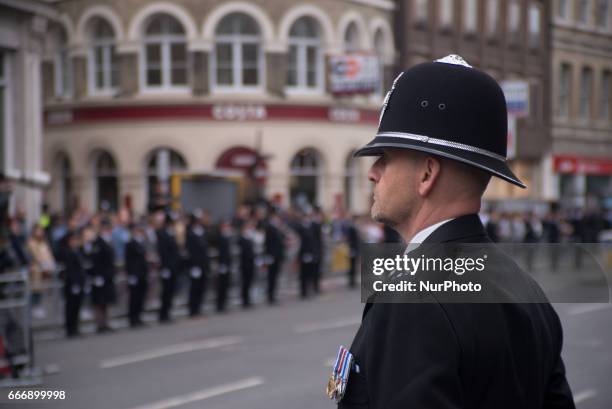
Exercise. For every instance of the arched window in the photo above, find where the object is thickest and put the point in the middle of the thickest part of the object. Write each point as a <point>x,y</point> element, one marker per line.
<point>379,47</point>
<point>63,172</point>
<point>63,67</point>
<point>165,53</point>
<point>162,164</point>
<point>106,182</point>
<point>351,38</point>
<point>103,63</point>
<point>238,59</point>
<point>305,177</point>
<point>305,65</point>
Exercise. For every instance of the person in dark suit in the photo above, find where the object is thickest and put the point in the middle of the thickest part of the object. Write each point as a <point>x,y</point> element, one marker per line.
<point>247,262</point>
<point>224,264</point>
<point>74,284</point>
<point>103,293</point>
<point>441,136</point>
<point>307,255</point>
<point>169,260</point>
<point>274,247</point>
<point>198,264</point>
<point>137,270</point>
<point>353,240</point>
<point>317,220</point>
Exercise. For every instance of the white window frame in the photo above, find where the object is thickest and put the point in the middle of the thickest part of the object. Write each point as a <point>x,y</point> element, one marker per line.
<point>535,26</point>
<point>604,95</point>
<point>302,44</point>
<point>605,14</point>
<point>588,13</point>
<point>470,16</point>
<point>514,21</point>
<point>63,72</point>
<point>563,9</point>
<point>165,41</point>
<point>421,11</point>
<point>446,13</point>
<point>492,18</point>
<point>237,41</point>
<point>565,92</point>
<point>586,93</point>
<point>108,49</point>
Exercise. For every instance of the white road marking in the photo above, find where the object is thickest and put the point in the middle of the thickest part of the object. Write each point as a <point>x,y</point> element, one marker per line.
<point>203,394</point>
<point>324,325</point>
<point>329,362</point>
<point>583,309</point>
<point>584,395</point>
<point>169,350</point>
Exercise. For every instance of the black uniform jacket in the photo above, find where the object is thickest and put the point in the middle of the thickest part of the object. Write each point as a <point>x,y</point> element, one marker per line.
<point>468,355</point>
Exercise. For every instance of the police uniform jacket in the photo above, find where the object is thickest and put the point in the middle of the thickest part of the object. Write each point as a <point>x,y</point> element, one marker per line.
<point>103,272</point>
<point>434,355</point>
<point>136,264</point>
<point>168,251</point>
<point>197,248</point>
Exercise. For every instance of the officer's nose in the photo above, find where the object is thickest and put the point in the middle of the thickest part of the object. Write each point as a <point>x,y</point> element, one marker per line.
<point>376,170</point>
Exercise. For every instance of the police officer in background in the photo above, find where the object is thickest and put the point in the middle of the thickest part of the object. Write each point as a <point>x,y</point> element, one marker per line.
<point>137,270</point>
<point>274,247</point>
<point>247,261</point>
<point>441,136</point>
<point>224,264</point>
<point>353,240</point>
<point>317,220</point>
<point>103,293</point>
<point>307,254</point>
<point>169,261</point>
<point>74,283</point>
<point>198,263</point>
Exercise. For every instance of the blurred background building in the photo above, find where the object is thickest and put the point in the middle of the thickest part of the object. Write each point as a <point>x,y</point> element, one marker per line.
<point>153,103</point>
<point>23,26</point>
<point>581,152</point>
<point>218,99</point>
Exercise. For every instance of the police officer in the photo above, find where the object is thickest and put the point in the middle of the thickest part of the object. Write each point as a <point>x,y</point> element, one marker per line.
<point>103,293</point>
<point>317,219</point>
<point>274,247</point>
<point>74,283</point>
<point>441,136</point>
<point>224,264</point>
<point>247,261</point>
<point>198,263</point>
<point>352,239</point>
<point>307,254</point>
<point>137,270</point>
<point>169,261</point>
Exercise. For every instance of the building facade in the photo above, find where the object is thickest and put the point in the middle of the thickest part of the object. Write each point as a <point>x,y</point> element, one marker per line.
<point>141,94</point>
<point>509,39</point>
<point>580,159</point>
<point>23,26</point>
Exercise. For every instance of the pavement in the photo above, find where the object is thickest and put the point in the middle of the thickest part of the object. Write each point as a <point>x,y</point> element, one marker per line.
<point>269,357</point>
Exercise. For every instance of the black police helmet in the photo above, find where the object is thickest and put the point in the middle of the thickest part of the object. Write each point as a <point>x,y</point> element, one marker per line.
<point>450,109</point>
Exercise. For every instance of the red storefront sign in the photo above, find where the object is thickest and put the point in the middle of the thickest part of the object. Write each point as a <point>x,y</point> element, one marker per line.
<point>582,165</point>
<point>245,161</point>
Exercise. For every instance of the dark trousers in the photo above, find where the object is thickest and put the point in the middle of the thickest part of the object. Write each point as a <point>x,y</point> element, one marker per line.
<point>273,270</point>
<point>167,295</point>
<point>72,309</point>
<point>223,283</point>
<point>197,292</point>
<point>307,278</point>
<point>245,285</point>
<point>352,271</point>
<point>138,295</point>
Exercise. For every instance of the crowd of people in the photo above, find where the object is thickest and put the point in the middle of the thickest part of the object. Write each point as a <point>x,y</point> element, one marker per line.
<point>89,252</point>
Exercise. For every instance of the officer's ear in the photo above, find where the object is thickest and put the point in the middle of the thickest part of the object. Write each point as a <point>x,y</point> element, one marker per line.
<point>428,175</point>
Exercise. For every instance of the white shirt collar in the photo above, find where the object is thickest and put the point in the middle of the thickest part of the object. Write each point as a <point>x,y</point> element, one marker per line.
<point>426,232</point>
